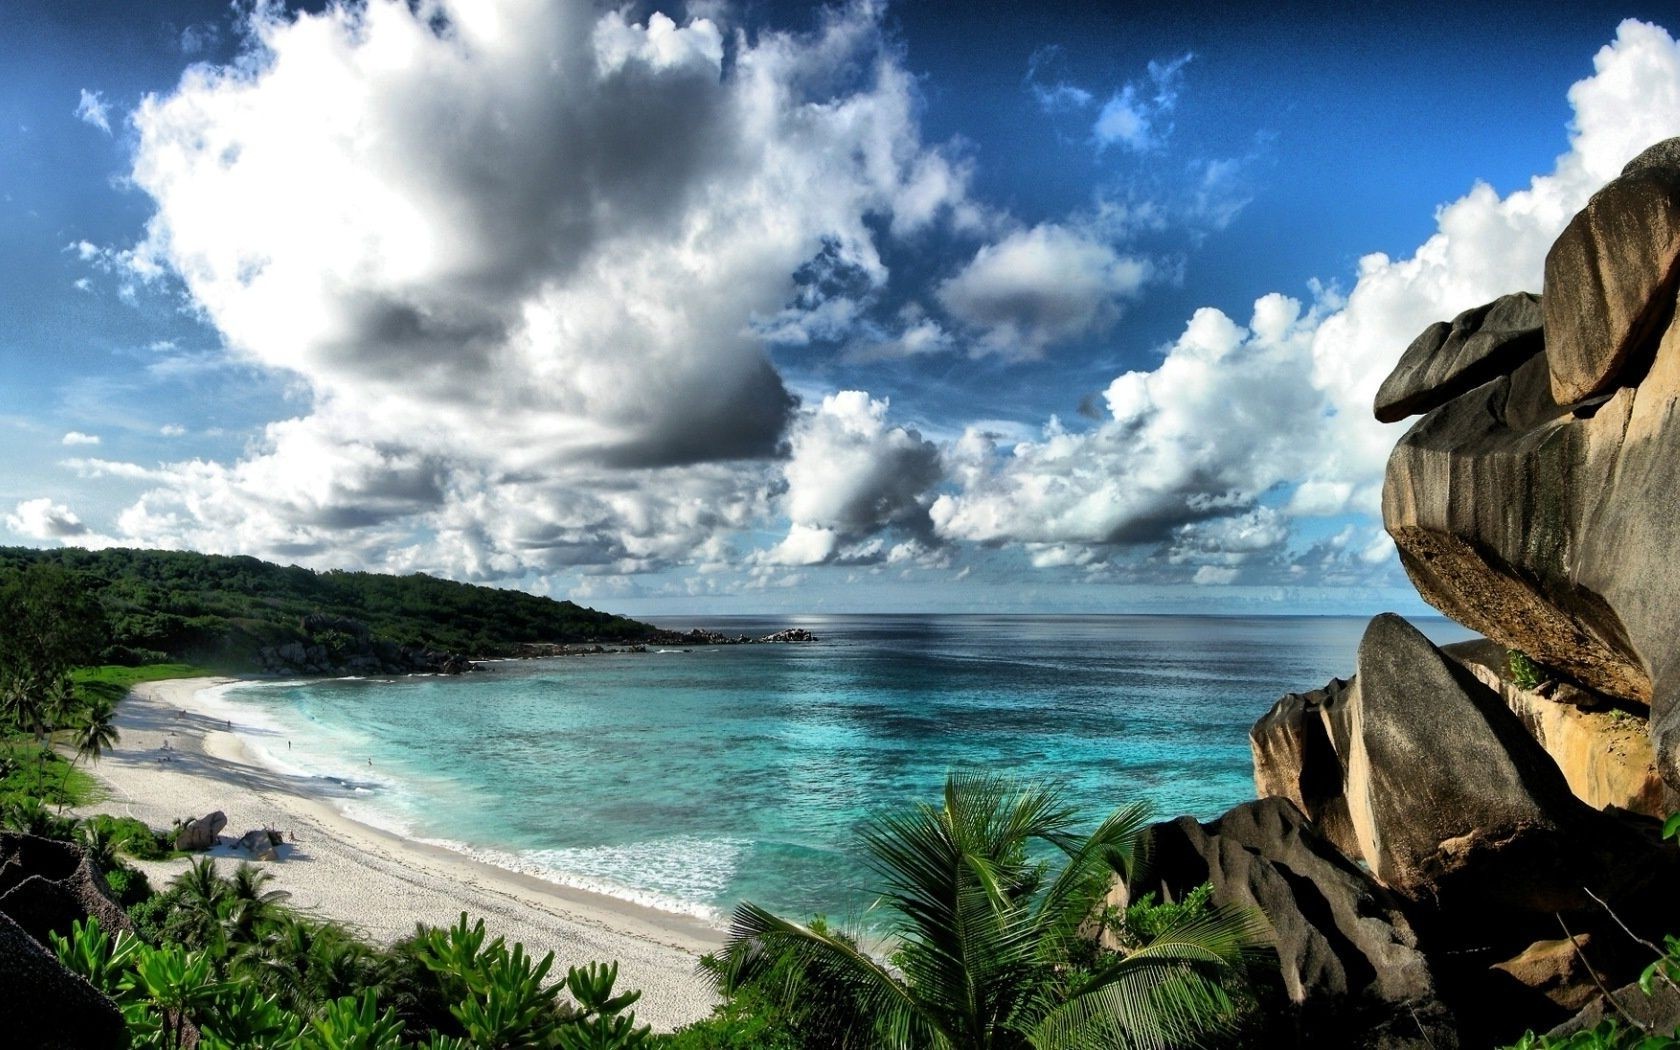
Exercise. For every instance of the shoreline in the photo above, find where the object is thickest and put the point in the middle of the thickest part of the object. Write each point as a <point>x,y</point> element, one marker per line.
<point>177,758</point>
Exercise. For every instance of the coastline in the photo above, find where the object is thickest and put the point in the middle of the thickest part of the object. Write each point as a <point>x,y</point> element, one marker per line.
<point>377,882</point>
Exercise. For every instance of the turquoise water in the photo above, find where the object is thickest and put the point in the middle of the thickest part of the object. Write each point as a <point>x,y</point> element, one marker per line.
<point>693,780</point>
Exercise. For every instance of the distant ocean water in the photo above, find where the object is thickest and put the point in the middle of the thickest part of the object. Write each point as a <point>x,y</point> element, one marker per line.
<point>693,780</point>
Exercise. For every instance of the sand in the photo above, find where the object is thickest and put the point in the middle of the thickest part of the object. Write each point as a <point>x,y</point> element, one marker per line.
<point>381,884</point>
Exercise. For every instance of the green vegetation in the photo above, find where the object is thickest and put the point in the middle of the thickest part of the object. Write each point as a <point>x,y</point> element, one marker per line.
<point>993,945</point>
<point>1525,673</point>
<point>136,607</point>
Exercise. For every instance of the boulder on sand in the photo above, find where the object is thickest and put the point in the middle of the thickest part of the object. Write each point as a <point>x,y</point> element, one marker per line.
<point>200,833</point>
<point>260,843</point>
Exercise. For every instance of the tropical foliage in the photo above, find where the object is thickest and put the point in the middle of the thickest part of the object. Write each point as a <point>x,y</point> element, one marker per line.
<point>143,607</point>
<point>988,934</point>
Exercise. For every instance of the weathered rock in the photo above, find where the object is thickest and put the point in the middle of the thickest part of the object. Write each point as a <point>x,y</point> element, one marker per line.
<point>1447,360</point>
<point>200,833</point>
<point>1297,748</point>
<point>1555,969</point>
<point>1660,1012</point>
<point>260,843</point>
<point>1552,532</point>
<point>1611,279</point>
<point>1349,967</point>
<point>1604,754</point>
<point>1443,794</point>
<point>43,1006</point>
<point>46,885</point>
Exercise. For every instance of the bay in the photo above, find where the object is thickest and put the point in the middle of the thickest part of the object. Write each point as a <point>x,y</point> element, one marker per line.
<point>690,780</point>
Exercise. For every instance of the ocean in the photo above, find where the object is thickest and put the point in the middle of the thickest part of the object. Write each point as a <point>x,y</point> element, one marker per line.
<point>692,780</point>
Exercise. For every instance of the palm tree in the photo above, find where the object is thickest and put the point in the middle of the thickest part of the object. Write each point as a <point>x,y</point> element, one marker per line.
<point>92,735</point>
<point>247,904</point>
<point>985,934</point>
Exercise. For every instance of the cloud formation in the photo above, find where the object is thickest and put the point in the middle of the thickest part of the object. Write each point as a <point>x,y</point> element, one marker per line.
<point>852,475</point>
<point>1189,449</point>
<point>42,519</point>
<point>516,245</point>
<point>92,109</point>
<point>1041,286</point>
<point>1137,116</point>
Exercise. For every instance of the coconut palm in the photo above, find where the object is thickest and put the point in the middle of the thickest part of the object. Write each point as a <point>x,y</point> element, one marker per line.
<point>92,734</point>
<point>247,904</point>
<point>984,935</point>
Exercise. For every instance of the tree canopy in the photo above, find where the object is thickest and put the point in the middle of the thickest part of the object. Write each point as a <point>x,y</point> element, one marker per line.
<point>148,606</point>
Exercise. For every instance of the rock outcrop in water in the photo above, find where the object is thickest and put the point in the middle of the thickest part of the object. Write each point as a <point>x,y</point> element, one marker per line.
<point>1497,823</point>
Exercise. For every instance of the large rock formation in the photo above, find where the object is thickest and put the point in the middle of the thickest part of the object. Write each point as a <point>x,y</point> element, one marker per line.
<point>1422,772</point>
<point>1603,752</point>
<point>1447,360</point>
<point>201,833</point>
<point>46,1007</point>
<point>1349,966</point>
<point>1539,509</point>
<point>45,885</point>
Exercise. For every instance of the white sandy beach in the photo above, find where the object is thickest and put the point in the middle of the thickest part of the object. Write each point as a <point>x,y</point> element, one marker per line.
<point>335,867</point>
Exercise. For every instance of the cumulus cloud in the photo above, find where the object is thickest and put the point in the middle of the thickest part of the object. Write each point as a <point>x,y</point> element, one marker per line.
<point>1223,418</point>
<point>1137,116</point>
<point>1187,449</point>
<point>1040,286</point>
<point>517,244</point>
<point>76,437</point>
<point>42,519</point>
<point>92,109</point>
<point>851,475</point>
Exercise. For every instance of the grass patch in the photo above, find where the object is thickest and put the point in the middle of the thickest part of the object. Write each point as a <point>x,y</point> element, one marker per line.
<point>111,682</point>
<point>28,770</point>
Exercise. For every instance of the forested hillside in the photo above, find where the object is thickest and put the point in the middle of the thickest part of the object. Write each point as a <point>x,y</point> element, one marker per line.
<point>224,611</point>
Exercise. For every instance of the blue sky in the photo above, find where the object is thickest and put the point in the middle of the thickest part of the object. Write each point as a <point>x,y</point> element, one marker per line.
<point>753,307</point>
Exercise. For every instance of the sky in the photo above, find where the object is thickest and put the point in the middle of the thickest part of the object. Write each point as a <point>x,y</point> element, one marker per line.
<point>739,307</point>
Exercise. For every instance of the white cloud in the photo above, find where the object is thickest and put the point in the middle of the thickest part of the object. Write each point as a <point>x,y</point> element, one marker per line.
<point>851,475</point>
<point>170,430</point>
<point>1232,412</point>
<point>76,437</point>
<point>93,109</point>
<point>1135,117</point>
<point>521,255</point>
<point>1223,418</point>
<point>42,519</point>
<point>1041,286</point>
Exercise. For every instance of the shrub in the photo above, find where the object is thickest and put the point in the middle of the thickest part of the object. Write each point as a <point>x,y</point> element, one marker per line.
<point>1524,671</point>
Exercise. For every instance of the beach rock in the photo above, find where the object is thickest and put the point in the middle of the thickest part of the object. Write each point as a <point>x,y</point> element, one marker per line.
<point>1349,971</point>
<point>1658,1012</point>
<point>791,634</point>
<point>45,885</point>
<point>1480,345</point>
<point>1551,531</point>
<point>1297,748</point>
<point>200,833</point>
<point>1611,279</point>
<point>1443,794</point>
<point>1603,752</point>
<point>44,1006</point>
<point>1555,969</point>
<point>260,843</point>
